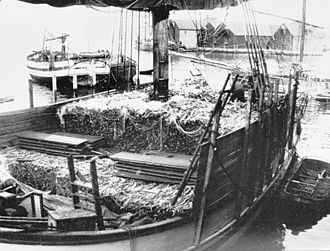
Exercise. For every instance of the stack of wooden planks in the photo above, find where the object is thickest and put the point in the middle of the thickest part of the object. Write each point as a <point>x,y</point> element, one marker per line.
<point>58,143</point>
<point>153,168</point>
<point>93,142</point>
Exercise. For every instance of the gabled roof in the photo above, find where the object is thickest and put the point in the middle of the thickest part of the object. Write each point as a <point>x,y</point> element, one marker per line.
<point>186,24</point>
<point>239,29</point>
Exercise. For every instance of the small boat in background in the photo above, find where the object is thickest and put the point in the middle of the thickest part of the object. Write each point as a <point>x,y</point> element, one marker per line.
<point>5,99</point>
<point>45,64</point>
<point>323,97</point>
<point>310,184</point>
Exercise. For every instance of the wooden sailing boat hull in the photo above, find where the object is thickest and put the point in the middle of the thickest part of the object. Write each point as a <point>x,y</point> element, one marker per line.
<point>174,234</point>
<point>225,219</point>
<point>82,67</point>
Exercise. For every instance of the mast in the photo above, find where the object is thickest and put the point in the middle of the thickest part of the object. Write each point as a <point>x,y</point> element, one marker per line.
<point>302,40</point>
<point>160,53</point>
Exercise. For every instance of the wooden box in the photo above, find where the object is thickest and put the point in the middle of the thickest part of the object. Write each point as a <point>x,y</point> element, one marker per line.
<point>72,220</point>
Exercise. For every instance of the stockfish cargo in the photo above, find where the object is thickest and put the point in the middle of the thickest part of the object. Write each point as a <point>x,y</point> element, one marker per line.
<point>233,156</point>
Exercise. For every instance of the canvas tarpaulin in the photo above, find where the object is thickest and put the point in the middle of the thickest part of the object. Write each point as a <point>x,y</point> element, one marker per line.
<point>142,4</point>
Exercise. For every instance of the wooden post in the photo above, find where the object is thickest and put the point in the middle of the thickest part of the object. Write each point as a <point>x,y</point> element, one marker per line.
<point>243,173</point>
<point>72,173</point>
<point>130,77</point>
<point>31,93</point>
<point>212,150</point>
<point>54,88</point>
<point>75,85</point>
<point>210,158</point>
<point>93,81</point>
<point>138,59</point>
<point>160,53</point>
<point>96,194</point>
<point>303,32</point>
<point>293,110</point>
<point>161,143</point>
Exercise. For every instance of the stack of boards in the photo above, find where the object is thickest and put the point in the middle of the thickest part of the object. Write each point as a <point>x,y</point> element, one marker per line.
<point>165,168</point>
<point>58,143</point>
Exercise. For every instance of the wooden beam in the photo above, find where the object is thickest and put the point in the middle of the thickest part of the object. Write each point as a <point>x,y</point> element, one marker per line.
<point>72,179</point>
<point>54,88</point>
<point>244,174</point>
<point>96,194</point>
<point>303,32</point>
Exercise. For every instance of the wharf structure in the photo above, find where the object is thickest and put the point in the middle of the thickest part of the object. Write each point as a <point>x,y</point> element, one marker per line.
<point>283,37</point>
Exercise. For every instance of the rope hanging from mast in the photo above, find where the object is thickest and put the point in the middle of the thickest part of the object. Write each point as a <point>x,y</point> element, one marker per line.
<point>255,53</point>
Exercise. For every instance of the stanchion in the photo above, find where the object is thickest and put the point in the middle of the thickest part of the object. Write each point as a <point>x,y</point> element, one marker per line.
<point>94,81</point>
<point>75,85</point>
<point>54,88</point>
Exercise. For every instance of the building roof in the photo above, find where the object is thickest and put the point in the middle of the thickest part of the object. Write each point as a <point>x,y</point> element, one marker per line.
<point>239,29</point>
<point>295,29</point>
<point>187,24</point>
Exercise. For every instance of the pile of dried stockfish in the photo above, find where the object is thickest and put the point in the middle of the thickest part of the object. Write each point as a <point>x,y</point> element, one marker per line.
<point>50,173</point>
<point>131,122</point>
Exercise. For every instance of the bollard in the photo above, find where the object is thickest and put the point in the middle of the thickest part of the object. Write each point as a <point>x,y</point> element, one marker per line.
<point>54,88</point>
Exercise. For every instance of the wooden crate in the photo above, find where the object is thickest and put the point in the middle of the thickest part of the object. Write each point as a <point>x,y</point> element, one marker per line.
<point>72,220</point>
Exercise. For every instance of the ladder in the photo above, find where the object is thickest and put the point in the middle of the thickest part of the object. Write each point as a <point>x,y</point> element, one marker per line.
<point>87,192</point>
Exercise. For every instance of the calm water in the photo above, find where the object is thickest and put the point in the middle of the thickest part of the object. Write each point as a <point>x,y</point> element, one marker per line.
<point>281,226</point>
<point>289,226</point>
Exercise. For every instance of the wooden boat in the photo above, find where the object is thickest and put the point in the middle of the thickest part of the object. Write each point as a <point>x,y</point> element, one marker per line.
<point>45,64</point>
<point>227,207</point>
<point>322,97</point>
<point>309,183</point>
<point>6,99</point>
<point>235,172</point>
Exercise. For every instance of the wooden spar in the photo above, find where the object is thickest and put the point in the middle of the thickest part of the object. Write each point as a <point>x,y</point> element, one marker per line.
<point>160,53</point>
<point>212,150</point>
<point>194,159</point>
<point>209,165</point>
<point>131,56</point>
<point>288,95</point>
<point>125,42</point>
<point>120,42</point>
<point>138,59</point>
<point>293,110</point>
<point>261,140</point>
<point>303,33</point>
<point>243,173</point>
